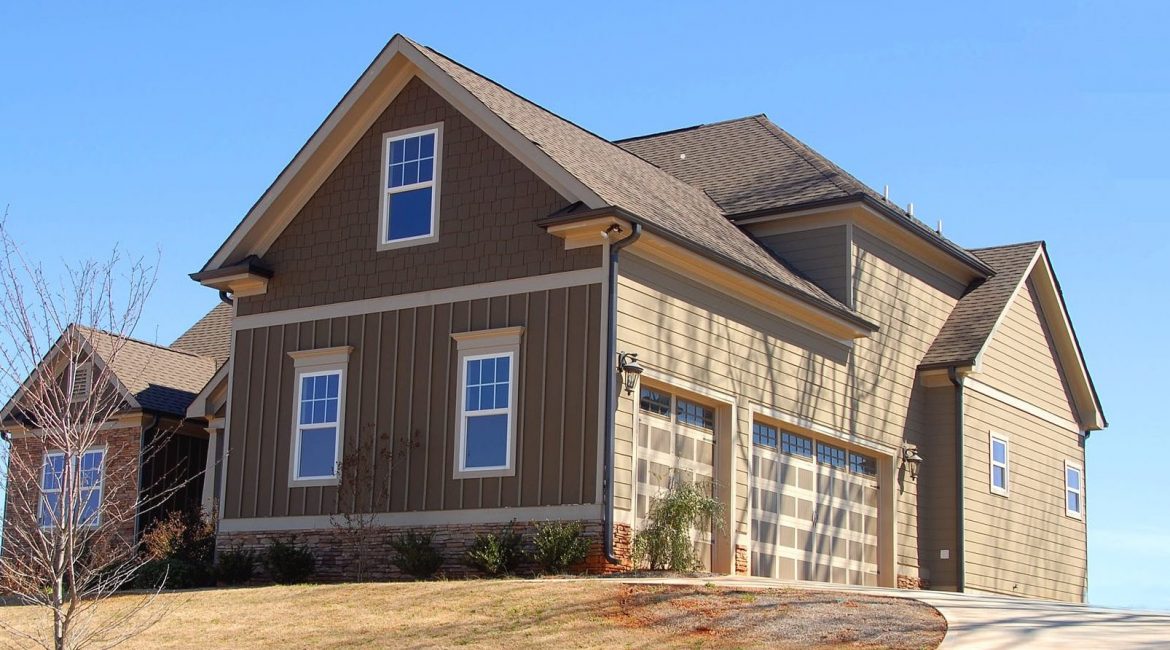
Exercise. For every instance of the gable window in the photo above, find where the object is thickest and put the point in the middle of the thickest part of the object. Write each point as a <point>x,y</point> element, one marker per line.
<point>486,444</point>
<point>999,464</point>
<point>318,416</point>
<point>87,477</point>
<point>410,187</point>
<point>1074,490</point>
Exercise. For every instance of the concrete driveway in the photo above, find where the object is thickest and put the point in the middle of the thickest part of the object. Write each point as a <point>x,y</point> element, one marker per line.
<point>994,622</point>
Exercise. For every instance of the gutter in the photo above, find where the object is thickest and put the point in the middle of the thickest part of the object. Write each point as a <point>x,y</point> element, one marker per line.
<point>611,389</point>
<point>960,527</point>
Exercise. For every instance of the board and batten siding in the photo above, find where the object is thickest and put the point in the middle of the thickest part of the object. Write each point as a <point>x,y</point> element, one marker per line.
<point>400,408</point>
<point>1023,543</point>
<point>684,330</point>
<point>1021,359</point>
<point>820,254</point>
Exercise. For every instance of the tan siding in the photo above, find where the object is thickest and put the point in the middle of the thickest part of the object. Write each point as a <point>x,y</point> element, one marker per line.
<point>488,205</point>
<point>821,254</point>
<point>1024,543</point>
<point>937,506</point>
<point>687,331</point>
<point>400,408</point>
<point>1021,360</point>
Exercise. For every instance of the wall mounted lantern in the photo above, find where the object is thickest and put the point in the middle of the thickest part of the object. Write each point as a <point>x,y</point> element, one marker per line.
<point>912,459</point>
<point>629,367</point>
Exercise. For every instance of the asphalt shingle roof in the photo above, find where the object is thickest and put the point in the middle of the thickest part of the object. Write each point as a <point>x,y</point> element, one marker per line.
<point>210,336</point>
<point>971,321</point>
<point>160,378</point>
<point>626,181</point>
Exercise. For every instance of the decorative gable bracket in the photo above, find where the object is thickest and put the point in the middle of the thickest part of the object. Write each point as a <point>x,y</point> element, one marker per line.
<point>248,277</point>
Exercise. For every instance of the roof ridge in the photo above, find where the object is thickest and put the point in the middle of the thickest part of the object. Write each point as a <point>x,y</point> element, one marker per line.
<point>686,128</point>
<point>811,156</point>
<point>1034,242</point>
<point>141,342</point>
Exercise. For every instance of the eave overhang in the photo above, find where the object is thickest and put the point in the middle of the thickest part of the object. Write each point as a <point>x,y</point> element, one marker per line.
<point>249,277</point>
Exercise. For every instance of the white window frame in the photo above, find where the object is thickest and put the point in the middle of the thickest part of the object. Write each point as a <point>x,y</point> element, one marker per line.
<point>992,438</point>
<point>384,242</point>
<point>318,363</point>
<point>101,486</point>
<point>1080,492</point>
<point>478,345</point>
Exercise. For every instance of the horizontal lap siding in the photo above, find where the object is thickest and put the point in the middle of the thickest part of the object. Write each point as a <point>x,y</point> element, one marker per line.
<point>400,419</point>
<point>1023,543</point>
<point>1021,360</point>
<point>821,254</point>
<point>689,331</point>
<point>910,303</point>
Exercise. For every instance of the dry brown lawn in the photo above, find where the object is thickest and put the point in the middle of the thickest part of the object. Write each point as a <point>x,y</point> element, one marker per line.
<point>528,614</point>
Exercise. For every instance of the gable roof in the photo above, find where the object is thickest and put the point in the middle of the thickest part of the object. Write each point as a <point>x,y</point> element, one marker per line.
<point>158,378</point>
<point>210,336</point>
<point>749,166</point>
<point>602,175</point>
<point>973,319</point>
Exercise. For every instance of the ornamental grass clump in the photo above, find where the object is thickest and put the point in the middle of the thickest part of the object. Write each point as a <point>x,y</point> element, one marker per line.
<point>664,542</point>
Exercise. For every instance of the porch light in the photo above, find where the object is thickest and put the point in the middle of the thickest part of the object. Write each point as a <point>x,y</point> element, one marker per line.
<point>629,367</point>
<point>912,460</point>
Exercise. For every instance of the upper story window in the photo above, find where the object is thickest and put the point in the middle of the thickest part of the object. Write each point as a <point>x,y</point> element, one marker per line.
<point>486,443</point>
<point>318,416</point>
<point>1074,490</point>
<point>410,187</point>
<point>999,464</point>
<point>85,477</point>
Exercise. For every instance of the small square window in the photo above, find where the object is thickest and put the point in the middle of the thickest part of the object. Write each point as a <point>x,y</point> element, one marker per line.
<point>764,435</point>
<point>797,445</point>
<point>655,401</point>
<point>862,464</point>
<point>409,213</point>
<point>832,456</point>
<point>695,414</point>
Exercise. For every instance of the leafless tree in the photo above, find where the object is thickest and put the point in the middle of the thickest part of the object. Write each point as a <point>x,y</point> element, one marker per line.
<point>69,548</point>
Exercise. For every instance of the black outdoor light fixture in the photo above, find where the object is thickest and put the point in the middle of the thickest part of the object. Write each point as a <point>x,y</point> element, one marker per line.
<point>629,367</point>
<point>912,459</point>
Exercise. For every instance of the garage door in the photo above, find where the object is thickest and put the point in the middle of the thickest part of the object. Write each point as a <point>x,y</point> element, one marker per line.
<point>676,441</point>
<point>814,509</point>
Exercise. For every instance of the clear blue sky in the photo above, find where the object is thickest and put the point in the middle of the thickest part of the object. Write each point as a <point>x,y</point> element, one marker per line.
<point>153,125</point>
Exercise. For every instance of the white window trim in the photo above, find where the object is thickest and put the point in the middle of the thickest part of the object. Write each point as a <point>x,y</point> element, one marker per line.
<point>486,344</point>
<point>101,488</point>
<point>384,243</point>
<point>992,464</point>
<point>317,363</point>
<point>1080,492</point>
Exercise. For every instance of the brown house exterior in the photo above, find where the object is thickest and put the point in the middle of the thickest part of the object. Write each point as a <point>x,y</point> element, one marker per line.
<point>430,300</point>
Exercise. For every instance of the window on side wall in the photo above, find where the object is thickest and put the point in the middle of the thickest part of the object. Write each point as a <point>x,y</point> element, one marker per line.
<point>999,464</point>
<point>1074,490</point>
<point>86,475</point>
<point>409,213</point>
<point>318,416</point>
<point>488,364</point>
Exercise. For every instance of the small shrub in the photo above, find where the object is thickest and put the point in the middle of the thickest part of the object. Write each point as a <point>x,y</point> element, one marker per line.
<point>236,565</point>
<point>289,563</point>
<point>495,554</point>
<point>414,554</point>
<point>665,540</point>
<point>559,545</point>
<point>178,549</point>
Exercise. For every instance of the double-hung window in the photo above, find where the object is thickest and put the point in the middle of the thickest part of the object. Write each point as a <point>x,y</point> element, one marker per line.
<point>999,464</point>
<point>318,416</point>
<point>488,360</point>
<point>84,480</point>
<point>1074,490</point>
<point>410,187</point>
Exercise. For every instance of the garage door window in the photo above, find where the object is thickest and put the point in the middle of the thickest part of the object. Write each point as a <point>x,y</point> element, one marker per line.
<point>791,443</point>
<point>695,415</point>
<point>764,435</point>
<point>655,401</point>
<point>831,456</point>
<point>862,464</point>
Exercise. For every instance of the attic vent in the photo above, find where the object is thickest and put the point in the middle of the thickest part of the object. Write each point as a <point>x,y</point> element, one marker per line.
<point>81,381</point>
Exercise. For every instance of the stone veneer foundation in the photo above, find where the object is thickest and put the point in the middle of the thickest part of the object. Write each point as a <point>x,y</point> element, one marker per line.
<point>337,556</point>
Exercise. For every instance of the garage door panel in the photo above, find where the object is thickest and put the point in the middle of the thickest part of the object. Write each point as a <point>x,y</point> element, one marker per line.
<point>813,520</point>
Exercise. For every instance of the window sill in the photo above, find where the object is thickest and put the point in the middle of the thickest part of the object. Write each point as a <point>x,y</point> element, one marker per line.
<point>312,482</point>
<point>407,243</point>
<point>999,492</point>
<point>483,473</point>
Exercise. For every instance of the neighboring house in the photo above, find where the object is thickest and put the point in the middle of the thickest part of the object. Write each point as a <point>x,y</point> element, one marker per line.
<point>154,449</point>
<point>432,324</point>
